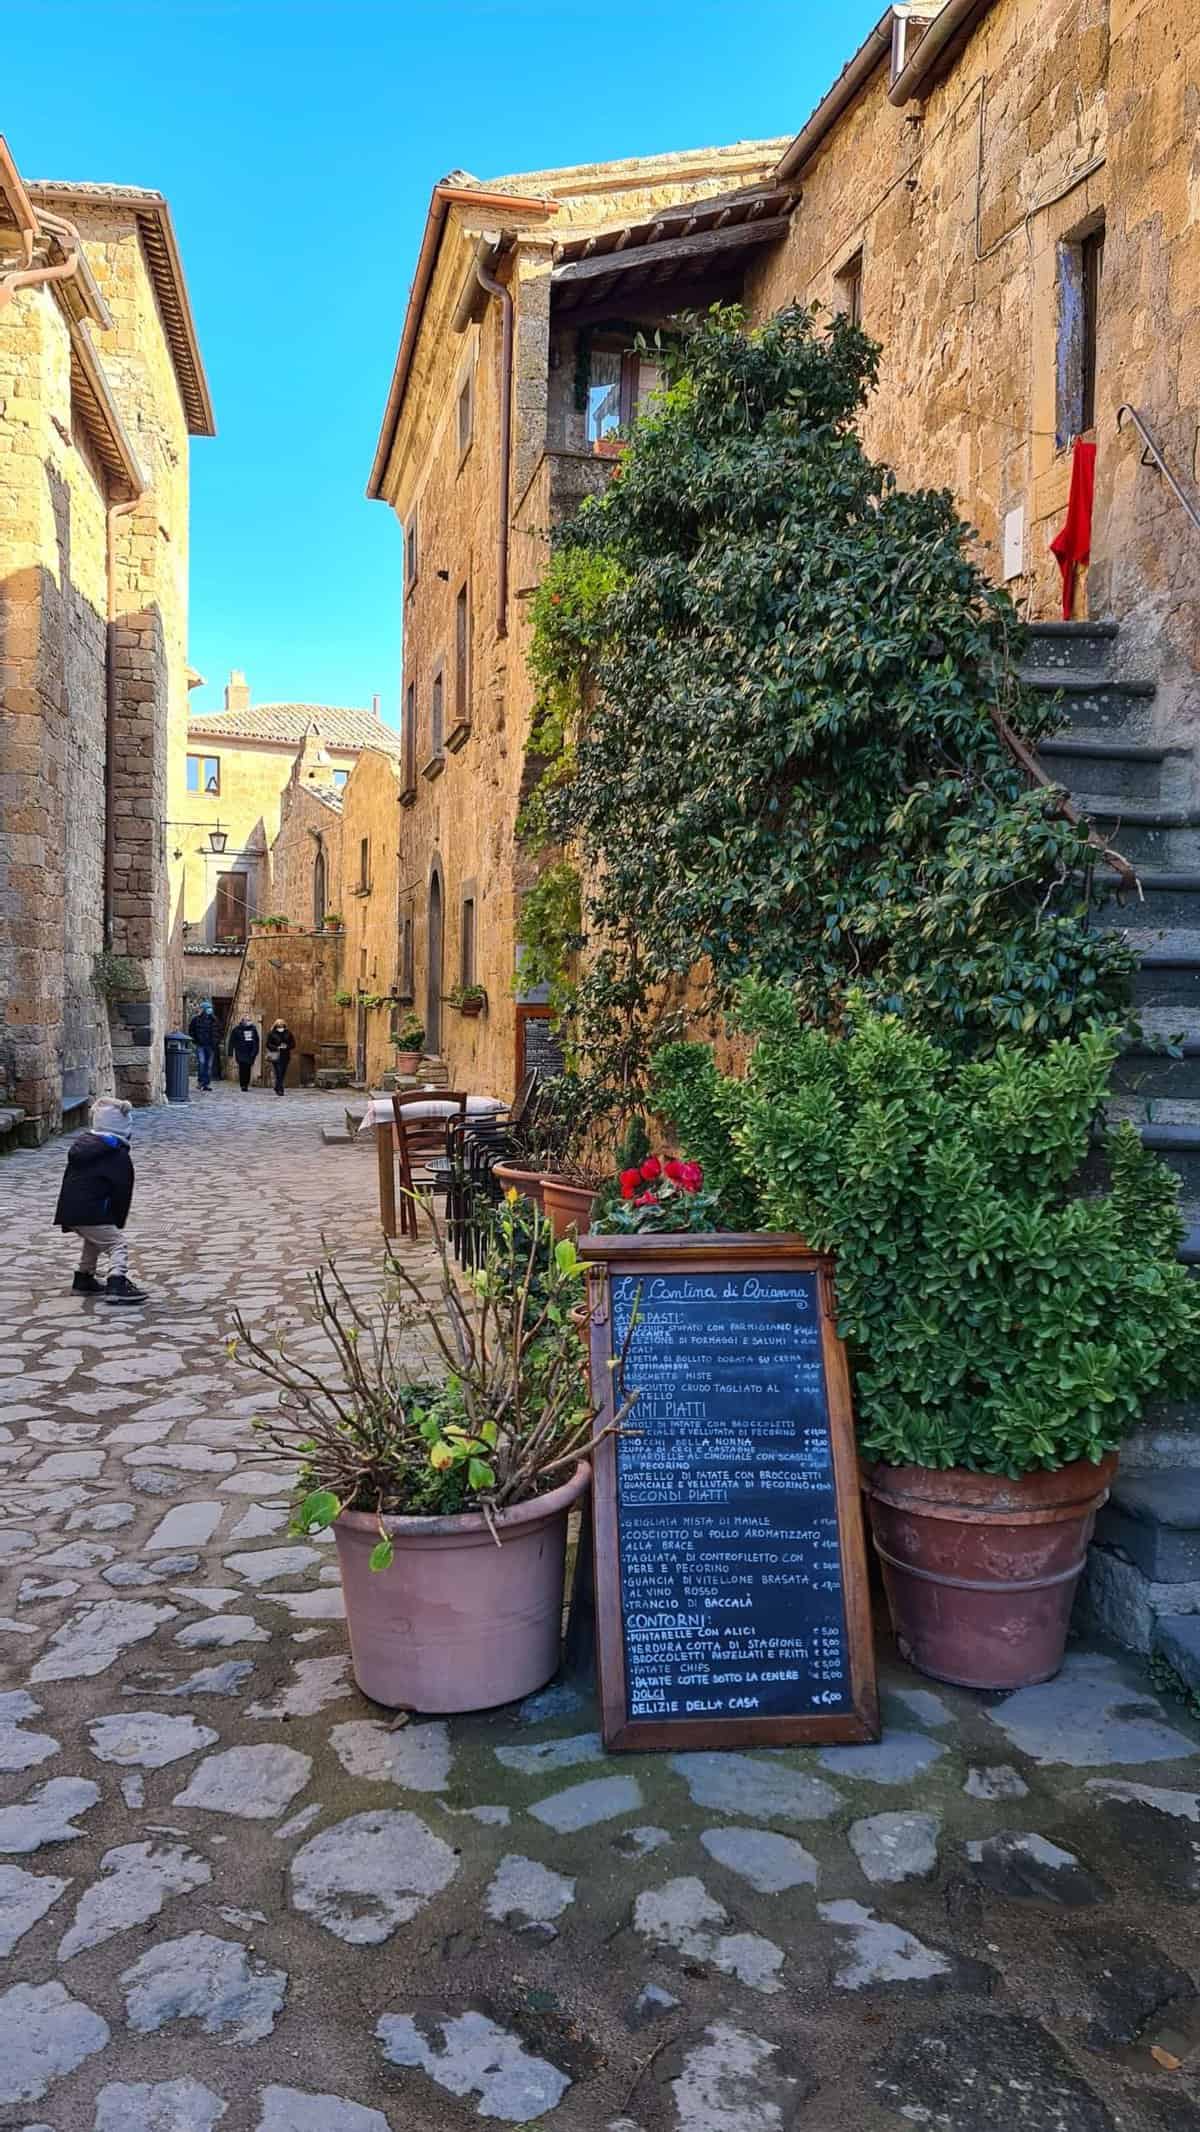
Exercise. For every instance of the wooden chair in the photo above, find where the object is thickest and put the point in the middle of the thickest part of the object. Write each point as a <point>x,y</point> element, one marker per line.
<point>421,1136</point>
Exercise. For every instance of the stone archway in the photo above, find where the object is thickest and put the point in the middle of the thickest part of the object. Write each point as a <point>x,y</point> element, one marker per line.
<point>434,953</point>
<point>319,888</point>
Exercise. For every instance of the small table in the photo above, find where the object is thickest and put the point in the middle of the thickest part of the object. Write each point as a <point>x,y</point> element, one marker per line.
<point>381,1120</point>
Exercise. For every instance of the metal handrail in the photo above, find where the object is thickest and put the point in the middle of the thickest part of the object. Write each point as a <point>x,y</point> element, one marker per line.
<point>1155,458</point>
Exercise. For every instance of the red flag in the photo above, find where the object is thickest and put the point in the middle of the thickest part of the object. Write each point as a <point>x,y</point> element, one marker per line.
<point>1073,544</point>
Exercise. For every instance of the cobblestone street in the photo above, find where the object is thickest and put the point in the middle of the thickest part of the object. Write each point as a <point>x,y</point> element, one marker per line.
<point>234,1895</point>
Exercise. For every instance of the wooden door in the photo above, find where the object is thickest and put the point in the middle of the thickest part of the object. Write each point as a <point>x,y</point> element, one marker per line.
<point>231,906</point>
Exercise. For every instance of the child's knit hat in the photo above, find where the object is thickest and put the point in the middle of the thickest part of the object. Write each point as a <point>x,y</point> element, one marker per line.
<point>111,1115</point>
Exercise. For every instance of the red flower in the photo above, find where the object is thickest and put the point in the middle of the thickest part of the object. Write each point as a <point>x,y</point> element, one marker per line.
<point>630,1180</point>
<point>651,1168</point>
<point>692,1177</point>
<point>647,1199</point>
<point>674,1170</point>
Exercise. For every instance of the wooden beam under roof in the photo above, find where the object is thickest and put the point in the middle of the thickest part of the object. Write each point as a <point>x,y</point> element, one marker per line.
<point>674,250</point>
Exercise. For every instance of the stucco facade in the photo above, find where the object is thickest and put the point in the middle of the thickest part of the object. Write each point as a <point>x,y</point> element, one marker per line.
<point>100,388</point>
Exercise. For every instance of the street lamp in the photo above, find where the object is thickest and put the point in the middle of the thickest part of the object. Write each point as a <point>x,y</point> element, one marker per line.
<point>217,839</point>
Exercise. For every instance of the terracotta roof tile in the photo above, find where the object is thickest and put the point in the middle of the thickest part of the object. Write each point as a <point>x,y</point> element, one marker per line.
<point>341,728</point>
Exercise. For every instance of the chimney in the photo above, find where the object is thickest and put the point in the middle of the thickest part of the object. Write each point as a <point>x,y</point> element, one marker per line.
<point>375,706</point>
<point>237,692</point>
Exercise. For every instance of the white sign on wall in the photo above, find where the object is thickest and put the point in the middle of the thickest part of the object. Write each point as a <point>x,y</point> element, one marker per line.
<point>1014,542</point>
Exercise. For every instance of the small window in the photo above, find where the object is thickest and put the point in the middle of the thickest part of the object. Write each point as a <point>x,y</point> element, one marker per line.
<point>412,560</point>
<point>850,289</point>
<point>1091,259</point>
<point>406,959</point>
<point>604,395</point>
<point>468,941</point>
<point>466,415</point>
<point>462,668</point>
<point>204,774</point>
<point>364,865</point>
<point>340,778</point>
<point>410,742</point>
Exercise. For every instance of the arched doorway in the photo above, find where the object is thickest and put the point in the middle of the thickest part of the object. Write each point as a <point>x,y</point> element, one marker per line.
<point>319,888</point>
<point>433,981</point>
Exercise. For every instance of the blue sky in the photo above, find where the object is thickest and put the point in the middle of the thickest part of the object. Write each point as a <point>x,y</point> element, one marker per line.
<point>297,145</point>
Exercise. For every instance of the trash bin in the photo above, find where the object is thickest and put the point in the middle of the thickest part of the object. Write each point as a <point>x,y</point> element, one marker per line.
<point>179,1051</point>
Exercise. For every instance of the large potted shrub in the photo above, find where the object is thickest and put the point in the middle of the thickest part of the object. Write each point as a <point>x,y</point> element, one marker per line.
<point>1007,1285</point>
<point>449,1499</point>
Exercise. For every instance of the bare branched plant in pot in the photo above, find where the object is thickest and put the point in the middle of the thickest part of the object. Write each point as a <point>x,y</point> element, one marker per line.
<point>446,1441</point>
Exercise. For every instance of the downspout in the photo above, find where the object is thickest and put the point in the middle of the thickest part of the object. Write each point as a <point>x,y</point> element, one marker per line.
<point>488,281</point>
<point>115,511</point>
<point>956,15</point>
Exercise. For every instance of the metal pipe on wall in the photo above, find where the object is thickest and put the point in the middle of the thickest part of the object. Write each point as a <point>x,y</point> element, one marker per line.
<point>496,288</point>
<point>956,15</point>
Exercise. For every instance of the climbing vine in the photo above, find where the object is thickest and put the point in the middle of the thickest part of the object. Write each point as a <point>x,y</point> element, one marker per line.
<point>766,679</point>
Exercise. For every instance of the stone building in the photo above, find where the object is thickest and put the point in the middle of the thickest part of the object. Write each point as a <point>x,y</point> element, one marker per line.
<point>101,386</point>
<point>240,763</point>
<point>515,363</point>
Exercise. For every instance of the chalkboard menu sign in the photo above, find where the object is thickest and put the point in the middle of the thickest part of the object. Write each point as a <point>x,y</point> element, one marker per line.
<point>731,1590</point>
<point>537,1044</point>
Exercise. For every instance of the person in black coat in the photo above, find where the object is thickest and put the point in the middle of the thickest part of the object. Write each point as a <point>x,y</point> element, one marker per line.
<point>95,1198</point>
<point>244,1047</point>
<point>205,1032</point>
<point>280,1046</point>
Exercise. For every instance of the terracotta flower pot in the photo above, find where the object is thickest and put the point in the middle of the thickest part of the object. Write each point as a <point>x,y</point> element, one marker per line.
<point>569,1206</point>
<point>980,1571</point>
<point>407,1061</point>
<point>458,1623</point>
<point>472,1009</point>
<point>527,1182</point>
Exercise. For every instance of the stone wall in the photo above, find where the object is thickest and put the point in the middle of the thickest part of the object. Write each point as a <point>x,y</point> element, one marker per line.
<point>1082,108</point>
<point>293,977</point>
<point>254,776</point>
<point>372,940</point>
<point>310,828</point>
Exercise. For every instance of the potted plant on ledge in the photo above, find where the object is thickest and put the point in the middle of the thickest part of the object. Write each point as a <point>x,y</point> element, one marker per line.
<point>1008,1289</point>
<point>410,1043</point>
<point>334,922</point>
<point>449,1500</point>
<point>469,999</point>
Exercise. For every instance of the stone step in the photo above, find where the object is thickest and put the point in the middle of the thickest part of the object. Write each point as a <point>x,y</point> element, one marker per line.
<point>1152,1518</point>
<point>1073,647</point>
<point>1156,838</point>
<point>1092,707</point>
<point>1170,901</point>
<point>1124,770</point>
<point>1176,1639</point>
<point>1164,980</point>
<point>1179,1146</point>
<point>1144,1072</point>
<point>11,1121</point>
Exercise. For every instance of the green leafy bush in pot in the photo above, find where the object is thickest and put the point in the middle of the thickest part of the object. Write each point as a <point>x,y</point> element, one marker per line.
<point>1009,1290</point>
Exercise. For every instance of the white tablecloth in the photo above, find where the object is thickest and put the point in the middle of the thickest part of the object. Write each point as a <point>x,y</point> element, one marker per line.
<point>379,1110</point>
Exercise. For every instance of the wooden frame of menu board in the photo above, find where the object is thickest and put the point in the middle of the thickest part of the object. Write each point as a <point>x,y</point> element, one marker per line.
<point>526,1014</point>
<point>724,1267</point>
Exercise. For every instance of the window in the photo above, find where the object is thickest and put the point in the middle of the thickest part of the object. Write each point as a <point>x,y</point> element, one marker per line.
<point>204,774</point>
<point>406,959</point>
<point>409,789</point>
<point>1080,288</point>
<point>604,395</point>
<point>411,553</point>
<point>850,289</point>
<point>1092,267</point>
<point>466,416</point>
<point>364,865</point>
<point>467,958</point>
<point>319,888</point>
<point>437,722</point>
<point>462,669</point>
<point>339,780</point>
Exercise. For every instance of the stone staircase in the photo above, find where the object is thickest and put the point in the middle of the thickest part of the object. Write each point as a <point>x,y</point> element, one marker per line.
<point>1139,788</point>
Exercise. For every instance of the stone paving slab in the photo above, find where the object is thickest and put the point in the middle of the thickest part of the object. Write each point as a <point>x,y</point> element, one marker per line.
<point>234,1897</point>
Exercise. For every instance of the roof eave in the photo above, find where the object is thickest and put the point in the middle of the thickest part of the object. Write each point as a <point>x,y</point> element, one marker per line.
<point>443,197</point>
<point>103,416</point>
<point>875,47</point>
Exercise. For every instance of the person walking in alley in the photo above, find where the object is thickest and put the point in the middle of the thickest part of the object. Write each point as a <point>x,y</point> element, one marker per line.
<point>280,1046</point>
<point>94,1202</point>
<point>243,1046</point>
<point>205,1032</point>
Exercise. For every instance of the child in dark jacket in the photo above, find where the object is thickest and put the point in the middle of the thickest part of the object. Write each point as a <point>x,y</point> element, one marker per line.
<point>95,1199</point>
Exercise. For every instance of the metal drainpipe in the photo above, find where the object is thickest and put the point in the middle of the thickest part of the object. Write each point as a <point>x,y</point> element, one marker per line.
<point>488,281</point>
<point>115,511</point>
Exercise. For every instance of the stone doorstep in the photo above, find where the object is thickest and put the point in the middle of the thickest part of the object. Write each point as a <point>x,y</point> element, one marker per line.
<point>1177,1639</point>
<point>1153,1519</point>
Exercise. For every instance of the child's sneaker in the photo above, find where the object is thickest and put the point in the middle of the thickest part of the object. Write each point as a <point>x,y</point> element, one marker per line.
<point>86,1284</point>
<point>120,1289</point>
